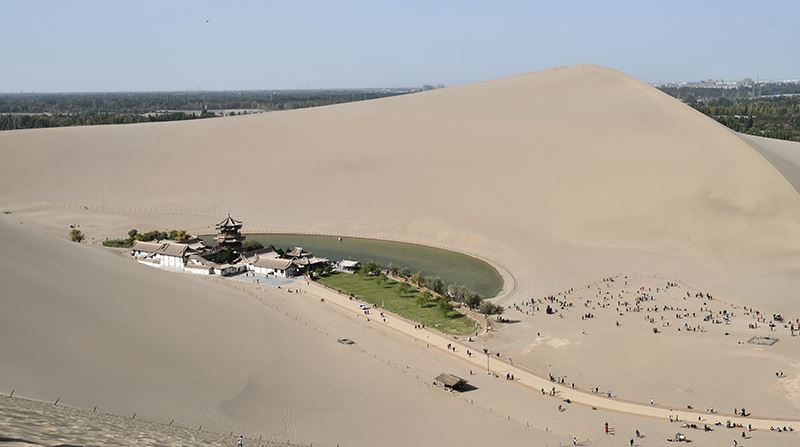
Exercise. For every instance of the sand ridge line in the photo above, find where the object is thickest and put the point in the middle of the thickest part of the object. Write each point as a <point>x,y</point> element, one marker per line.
<point>86,207</point>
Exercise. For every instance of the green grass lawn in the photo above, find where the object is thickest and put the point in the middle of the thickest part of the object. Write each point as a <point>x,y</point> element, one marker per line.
<point>388,296</point>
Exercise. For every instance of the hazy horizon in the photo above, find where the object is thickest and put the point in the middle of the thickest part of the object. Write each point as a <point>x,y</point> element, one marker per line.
<point>93,46</point>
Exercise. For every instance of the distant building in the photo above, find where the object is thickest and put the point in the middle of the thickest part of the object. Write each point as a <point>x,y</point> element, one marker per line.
<point>349,266</point>
<point>173,256</point>
<point>270,266</point>
<point>141,249</point>
<point>229,233</point>
<point>200,266</point>
<point>169,255</point>
<point>252,256</point>
<point>450,382</point>
<point>306,264</point>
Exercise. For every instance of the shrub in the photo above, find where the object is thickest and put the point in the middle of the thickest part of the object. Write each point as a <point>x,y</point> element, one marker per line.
<point>488,308</point>
<point>76,235</point>
<point>178,235</point>
<point>473,301</point>
<point>226,256</point>
<point>118,243</point>
<point>252,245</point>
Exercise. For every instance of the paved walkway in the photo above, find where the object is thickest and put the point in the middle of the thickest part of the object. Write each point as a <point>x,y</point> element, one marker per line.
<point>258,278</point>
<point>535,383</point>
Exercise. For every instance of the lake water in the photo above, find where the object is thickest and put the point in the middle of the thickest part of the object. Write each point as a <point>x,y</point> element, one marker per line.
<point>452,267</point>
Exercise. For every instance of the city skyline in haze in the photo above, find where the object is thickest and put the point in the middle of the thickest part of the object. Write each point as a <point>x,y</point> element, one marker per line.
<point>94,46</point>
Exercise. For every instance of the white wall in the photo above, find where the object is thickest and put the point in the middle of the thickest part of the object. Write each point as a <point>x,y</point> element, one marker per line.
<point>172,262</point>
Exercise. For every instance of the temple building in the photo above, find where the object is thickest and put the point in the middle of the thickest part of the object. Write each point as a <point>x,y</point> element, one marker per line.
<point>229,233</point>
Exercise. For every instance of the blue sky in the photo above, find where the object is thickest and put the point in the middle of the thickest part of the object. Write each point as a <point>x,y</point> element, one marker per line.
<point>168,45</point>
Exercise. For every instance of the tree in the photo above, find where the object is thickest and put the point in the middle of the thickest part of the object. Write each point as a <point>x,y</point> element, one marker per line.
<point>133,233</point>
<point>381,279</point>
<point>473,300</point>
<point>178,235</point>
<point>252,245</point>
<point>436,284</point>
<point>488,308</point>
<point>404,288</point>
<point>370,268</point>
<point>422,299</point>
<point>76,235</point>
<point>444,306</point>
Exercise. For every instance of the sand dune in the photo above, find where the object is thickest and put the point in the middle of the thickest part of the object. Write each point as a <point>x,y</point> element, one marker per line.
<point>562,177</point>
<point>95,329</point>
<point>559,175</point>
<point>784,155</point>
<point>98,329</point>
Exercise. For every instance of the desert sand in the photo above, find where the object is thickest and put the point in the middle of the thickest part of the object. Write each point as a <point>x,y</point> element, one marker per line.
<point>562,178</point>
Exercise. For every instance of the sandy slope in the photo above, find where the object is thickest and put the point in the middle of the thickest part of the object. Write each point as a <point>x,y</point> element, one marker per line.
<point>559,175</point>
<point>562,176</point>
<point>784,155</point>
<point>102,330</point>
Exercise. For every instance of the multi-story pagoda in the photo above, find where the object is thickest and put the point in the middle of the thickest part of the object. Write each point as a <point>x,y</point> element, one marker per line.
<point>229,234</point>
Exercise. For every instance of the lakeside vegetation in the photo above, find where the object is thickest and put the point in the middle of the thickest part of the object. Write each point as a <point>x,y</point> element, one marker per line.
<point>436,264</point>
<point>402,299</point>
<point>769,110</point>
<point>423,299</point>
<point>39,110</point>
<point>134,235</point>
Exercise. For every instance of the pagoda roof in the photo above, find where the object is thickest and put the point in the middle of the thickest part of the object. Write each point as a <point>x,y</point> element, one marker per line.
<point>229,222</point>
